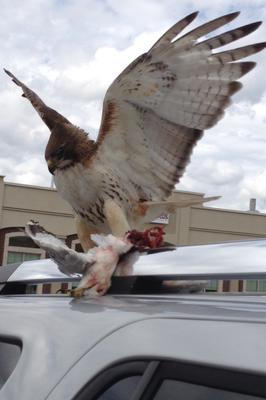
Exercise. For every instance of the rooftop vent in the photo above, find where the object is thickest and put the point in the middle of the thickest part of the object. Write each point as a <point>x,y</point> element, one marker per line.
<point>252,206</point>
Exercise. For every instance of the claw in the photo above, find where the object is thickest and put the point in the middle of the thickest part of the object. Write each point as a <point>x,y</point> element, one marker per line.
<point>77,293</point>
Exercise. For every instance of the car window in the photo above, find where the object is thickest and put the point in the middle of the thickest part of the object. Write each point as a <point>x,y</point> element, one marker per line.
<point>172,380</point>
<point>10,353</point>
<point>177,380</point>
<point>121,390</point>
<point>175,390</point>
<point>115,383</point>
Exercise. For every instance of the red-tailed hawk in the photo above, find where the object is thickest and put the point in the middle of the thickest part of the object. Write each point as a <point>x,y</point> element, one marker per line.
<point>153,115</point>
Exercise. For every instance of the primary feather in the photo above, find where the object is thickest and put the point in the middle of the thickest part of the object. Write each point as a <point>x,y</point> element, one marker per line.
<point>153,115</point>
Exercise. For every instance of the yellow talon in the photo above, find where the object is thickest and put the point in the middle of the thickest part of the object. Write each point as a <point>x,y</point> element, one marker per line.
<point>77,293</point>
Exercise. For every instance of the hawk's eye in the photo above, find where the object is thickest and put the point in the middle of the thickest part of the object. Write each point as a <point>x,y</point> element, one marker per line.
<point>60,151</point>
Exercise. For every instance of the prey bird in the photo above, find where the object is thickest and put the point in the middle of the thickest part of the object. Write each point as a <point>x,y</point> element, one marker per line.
<point>95,267</point>
<point>154,113</point>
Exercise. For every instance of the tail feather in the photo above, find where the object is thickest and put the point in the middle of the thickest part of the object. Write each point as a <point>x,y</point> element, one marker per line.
<point>150,210</point>
<point>172,206</point>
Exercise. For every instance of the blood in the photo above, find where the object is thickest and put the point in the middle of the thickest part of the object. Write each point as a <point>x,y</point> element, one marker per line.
<point>151,238</point>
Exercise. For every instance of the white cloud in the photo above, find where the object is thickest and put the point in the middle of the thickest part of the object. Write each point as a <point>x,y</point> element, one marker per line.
<point>230,159</point>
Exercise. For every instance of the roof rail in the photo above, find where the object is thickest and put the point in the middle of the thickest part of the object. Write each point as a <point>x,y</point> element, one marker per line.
<point>229,260</point>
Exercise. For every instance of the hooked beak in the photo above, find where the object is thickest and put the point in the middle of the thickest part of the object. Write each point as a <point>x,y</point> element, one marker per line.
<point>51,166</point>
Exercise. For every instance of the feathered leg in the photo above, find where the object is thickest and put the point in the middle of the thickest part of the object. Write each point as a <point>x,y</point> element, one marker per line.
<point>116,218</point>
<point>84,234</point>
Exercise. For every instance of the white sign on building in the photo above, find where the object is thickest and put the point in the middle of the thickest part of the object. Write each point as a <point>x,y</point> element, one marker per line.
<point>163,219</point>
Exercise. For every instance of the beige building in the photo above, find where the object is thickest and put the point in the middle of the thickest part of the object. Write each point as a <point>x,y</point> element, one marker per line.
<point>191,225</point>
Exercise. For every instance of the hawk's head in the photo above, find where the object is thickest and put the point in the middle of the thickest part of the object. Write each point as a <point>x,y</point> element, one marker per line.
<point>67,146</point>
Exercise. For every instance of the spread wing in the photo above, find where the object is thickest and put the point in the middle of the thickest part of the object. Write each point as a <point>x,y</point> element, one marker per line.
<point>69,261</point>
<point>49,116</point>
<point>157,108</point>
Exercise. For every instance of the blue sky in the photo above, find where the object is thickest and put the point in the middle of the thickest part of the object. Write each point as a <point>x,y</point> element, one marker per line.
<point>69,52</point>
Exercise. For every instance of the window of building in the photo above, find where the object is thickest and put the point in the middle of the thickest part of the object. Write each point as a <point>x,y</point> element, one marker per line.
<point>31,289</point>
<point>212,286</point>
<point>256,285</point>
<point>22,241</point>
<point>75,245</point>
<point>15,257</point>
<point>19,248</point>
<point>46,288</point>
<point>78,248</point>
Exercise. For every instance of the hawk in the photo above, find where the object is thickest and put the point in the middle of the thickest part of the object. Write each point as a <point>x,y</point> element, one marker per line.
<point>153,115</point>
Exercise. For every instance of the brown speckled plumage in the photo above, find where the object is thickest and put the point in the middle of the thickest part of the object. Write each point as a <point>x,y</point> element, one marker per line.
<point>109,116</point>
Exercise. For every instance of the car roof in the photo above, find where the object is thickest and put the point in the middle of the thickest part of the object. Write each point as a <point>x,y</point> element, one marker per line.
<point>101,315</point>
<point>57,331</point>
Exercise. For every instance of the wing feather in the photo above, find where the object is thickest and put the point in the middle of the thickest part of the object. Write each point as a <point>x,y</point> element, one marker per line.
<point>156,110</point>
<point>228,37</point>
<point>206,28</point>
<point>238,54</point>
<point>169,35</point>
<point>49,116</point>
<point>69,261</point>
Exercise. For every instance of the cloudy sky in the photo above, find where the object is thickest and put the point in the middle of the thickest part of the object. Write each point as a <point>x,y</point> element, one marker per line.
<point>69,51</point>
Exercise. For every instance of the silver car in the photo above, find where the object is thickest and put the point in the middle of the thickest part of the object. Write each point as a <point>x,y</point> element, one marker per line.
<point>143,340</point>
